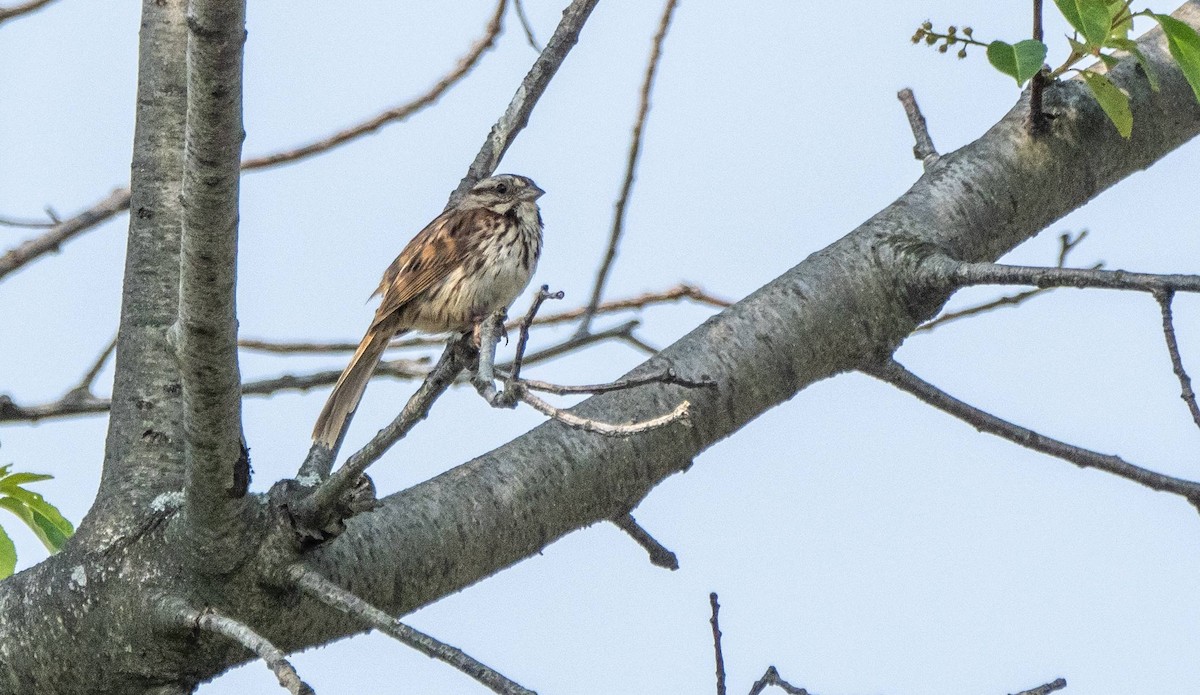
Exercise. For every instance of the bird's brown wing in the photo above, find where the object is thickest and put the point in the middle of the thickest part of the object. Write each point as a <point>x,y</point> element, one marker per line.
<point>427,260</point>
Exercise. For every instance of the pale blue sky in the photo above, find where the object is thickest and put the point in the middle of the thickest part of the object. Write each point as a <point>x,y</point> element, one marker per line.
<point>860,541</point>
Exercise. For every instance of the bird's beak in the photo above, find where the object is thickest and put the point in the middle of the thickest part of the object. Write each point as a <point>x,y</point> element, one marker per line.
<point>533,192</point>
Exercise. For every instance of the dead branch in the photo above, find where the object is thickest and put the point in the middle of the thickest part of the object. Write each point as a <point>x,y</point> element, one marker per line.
<point>62,232</point>
<point>660,555</point>
<point>923,148</point>
<point>396,113</point>
<point>635,149</point>
<point>1185,381</point>
<point>7,13</point>
<point>716,633</point>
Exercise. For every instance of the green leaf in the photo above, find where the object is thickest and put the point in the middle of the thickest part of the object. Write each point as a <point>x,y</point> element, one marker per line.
<point>1184,44</point>
<point>1132,49</point>
<point>8,555</point>
<point>1091,18</point>
<point>42,517</point>
<point>16,479</point>
<point>1114,102</point>
<point>1019,61</point>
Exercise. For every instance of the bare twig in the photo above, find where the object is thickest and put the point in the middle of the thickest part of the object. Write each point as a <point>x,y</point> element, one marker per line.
<point>716,633</point>
<point>1185,382</point>
<point>772,677</point>
<point>118,200</point>
<point>516,116</point>
<point>525,25</point>
<point>635,149</point>
<point>27,224</point>
<point>209,620</point>
<point>84,387</point>
<point>674,294</point>
<point>335,596</point>
<point>396,369</point>
<point>660,556</point>
<point>1038,121</point>
<point>7,13</point>
<point>439,379</point>
<point>895,374</point>
<point>923,148</point>
<point>543,294</point>
<point>59,234</point>
<point>679,414</point>
<point>396,113</point>
<point>1052,686</point>
<point>667,376</point>
<point>484,379</point>
<point>640,344</point>
<point>1067,243</point>
<point>958,274</point>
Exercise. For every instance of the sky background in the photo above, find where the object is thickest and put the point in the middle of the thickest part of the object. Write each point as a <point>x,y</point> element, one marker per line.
<point>860,541</point>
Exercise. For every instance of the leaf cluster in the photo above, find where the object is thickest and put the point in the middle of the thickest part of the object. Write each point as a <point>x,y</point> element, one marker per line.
<point>1102,29</point>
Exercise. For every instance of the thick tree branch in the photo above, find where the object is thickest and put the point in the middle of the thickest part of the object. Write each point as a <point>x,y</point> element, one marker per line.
<point>333,595</point>
<point>839,309</point>
<point>139,461</point>
<point>516,116</point>
<point>635,150</point>
<point>217,470</point>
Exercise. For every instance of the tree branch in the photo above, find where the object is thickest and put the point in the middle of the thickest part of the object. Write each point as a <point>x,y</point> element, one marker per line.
<point>7,13</point>
<point>923,148</point>
<point>60,233</point>
<point>139,464</point>
<point>330,594</point>
<point>209,620</point>
<point>516,116</point>
<point>660,555</point>
<point>396,113</point>
<point>893,373</point>
<point>716,633</point>
<point>838,309</point>
<point>1185,382</point>
<point>217,471</point>
<point>952,273</point>
<point>635,149</point>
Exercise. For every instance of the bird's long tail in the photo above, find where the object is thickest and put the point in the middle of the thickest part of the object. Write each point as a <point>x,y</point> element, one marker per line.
<point>349,388</point>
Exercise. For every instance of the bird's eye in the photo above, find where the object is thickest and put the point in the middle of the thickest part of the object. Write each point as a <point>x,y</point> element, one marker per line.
<point>502,188</point>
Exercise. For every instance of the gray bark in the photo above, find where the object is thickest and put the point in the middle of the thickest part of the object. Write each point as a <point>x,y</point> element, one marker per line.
<point>86,620</point>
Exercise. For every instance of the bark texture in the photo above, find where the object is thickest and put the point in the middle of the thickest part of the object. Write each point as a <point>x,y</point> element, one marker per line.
<point>86,619</point>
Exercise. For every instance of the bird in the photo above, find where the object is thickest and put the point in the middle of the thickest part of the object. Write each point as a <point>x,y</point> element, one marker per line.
<point>471,261</point>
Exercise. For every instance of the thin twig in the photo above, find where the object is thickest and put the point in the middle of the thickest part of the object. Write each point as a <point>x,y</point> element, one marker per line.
<point>660,556</point>
<point>1067,243</point>
<point>525,25</point>
<point>484,379</point>
<point>59,234</point>
<point>674,294</point>
<point>211,621</point>
<point>640,344</point>
<point>635,149</point>
<point>1185,382</point>
<point>895,374</point>
<point>7,13</point>
<point>679,414</point>
<point>516,116</point>
<point>27,224</point>
<point>543,294</point>
<point>118,200</point>
<point>666,376</point>
<point>84,388</point>
<point>416,409</point>
<point>396,113</point>
<point>716,633</point>
<point>772,677</point>
<point>1037,114</point>
<point>330,594</point>
<point>396,369</point>
<point>923,148</point>
<point>1052,686</point>
<point>958,274</point>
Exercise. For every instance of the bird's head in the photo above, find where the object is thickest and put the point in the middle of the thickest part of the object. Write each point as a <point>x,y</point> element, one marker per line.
<point>500,193</point>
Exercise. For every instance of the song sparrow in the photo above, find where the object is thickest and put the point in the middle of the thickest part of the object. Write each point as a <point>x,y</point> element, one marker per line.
<point>470,261</point>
